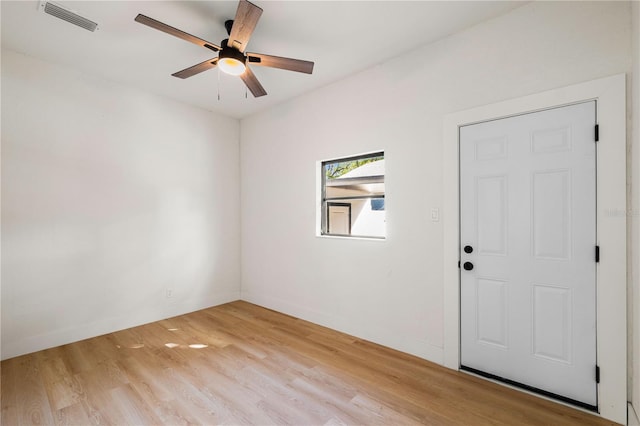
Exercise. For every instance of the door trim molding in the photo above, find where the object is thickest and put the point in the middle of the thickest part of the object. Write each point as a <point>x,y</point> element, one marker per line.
<point>611,271</point>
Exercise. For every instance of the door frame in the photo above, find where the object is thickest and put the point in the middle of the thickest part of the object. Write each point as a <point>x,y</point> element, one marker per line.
<point>611,201</point>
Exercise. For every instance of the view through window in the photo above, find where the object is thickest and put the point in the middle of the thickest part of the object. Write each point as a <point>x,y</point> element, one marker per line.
<point>353,196</point>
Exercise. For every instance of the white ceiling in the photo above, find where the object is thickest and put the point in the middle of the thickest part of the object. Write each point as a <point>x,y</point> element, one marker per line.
<point>341,37</point>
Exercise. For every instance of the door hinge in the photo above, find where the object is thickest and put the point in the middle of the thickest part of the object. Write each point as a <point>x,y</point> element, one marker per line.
<point>597,374</point>
<point>597,254</point>
<point>597,132</point>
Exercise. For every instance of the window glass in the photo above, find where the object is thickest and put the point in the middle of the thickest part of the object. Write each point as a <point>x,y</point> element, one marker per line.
<point>377,204</point>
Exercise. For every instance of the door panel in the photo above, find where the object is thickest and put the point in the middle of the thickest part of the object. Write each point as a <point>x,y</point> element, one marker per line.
<point>491,212</point>
<point>552,323</point>
<point>527,207</point>
<point>550,213</point>
<point>491,305</point>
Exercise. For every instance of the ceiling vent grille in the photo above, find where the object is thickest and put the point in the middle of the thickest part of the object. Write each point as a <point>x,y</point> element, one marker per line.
<point>67,15</point>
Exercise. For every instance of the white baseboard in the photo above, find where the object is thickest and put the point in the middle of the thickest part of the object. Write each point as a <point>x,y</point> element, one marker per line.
<point>389,338</point>
<point>67,335</point>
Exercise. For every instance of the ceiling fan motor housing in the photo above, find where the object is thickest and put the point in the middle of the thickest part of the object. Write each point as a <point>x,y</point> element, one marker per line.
<point>231,52</point>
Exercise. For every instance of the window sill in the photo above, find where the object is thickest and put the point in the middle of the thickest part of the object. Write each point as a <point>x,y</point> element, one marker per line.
<point>340,237</point>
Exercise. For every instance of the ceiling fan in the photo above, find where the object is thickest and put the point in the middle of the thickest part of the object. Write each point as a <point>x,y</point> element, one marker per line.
<point>231,57</point>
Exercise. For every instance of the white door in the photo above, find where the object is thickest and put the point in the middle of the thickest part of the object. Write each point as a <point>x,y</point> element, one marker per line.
<point>528,241</point>
<point>339,218</point>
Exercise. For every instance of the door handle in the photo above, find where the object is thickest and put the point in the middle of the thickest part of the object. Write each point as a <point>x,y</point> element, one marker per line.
<point>467,266</point>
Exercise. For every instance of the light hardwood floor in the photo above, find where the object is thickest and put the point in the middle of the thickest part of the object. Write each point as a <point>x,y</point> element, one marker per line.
<point>242,364</point>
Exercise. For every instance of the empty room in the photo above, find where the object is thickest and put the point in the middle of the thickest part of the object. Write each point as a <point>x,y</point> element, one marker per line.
<point>320,212</point>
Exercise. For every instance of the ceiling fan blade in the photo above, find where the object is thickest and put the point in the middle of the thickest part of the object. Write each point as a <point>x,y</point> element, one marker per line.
<point>245,22</point>
<point>297,65</point>
<point>150,22</point>
<point>196,69</point>
<point>252,83</point>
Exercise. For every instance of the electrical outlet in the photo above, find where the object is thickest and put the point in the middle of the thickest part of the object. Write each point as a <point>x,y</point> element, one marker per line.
<point>169,293</point>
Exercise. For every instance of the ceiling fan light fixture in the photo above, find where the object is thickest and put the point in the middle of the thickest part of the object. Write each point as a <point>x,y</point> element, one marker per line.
<point>231,66</point>
<point>232,61</point>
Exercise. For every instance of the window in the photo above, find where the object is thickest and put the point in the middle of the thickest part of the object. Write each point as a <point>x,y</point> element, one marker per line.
<point>353,196</point>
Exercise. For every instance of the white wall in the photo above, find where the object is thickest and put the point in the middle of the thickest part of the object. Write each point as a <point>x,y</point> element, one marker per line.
<point>391,292</point>
<point>110,197</point>
<point>634,220</point>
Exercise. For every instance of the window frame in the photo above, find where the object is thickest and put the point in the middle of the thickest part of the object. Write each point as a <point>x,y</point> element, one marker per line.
<point>323,230</point>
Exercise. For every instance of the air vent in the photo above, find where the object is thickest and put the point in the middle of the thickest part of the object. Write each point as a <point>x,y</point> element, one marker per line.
<point>67,15</point>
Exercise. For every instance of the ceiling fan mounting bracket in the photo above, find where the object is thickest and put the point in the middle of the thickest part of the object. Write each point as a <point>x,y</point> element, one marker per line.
<point>231,52</point>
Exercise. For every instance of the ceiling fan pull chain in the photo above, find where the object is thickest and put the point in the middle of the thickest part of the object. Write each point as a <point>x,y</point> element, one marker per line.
<point>218,84</point>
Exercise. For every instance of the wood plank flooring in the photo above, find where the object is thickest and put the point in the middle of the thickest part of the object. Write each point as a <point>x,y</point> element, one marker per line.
<point>242,364</point>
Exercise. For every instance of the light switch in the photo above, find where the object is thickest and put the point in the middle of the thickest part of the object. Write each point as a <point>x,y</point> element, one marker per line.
<point>435,214</point>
